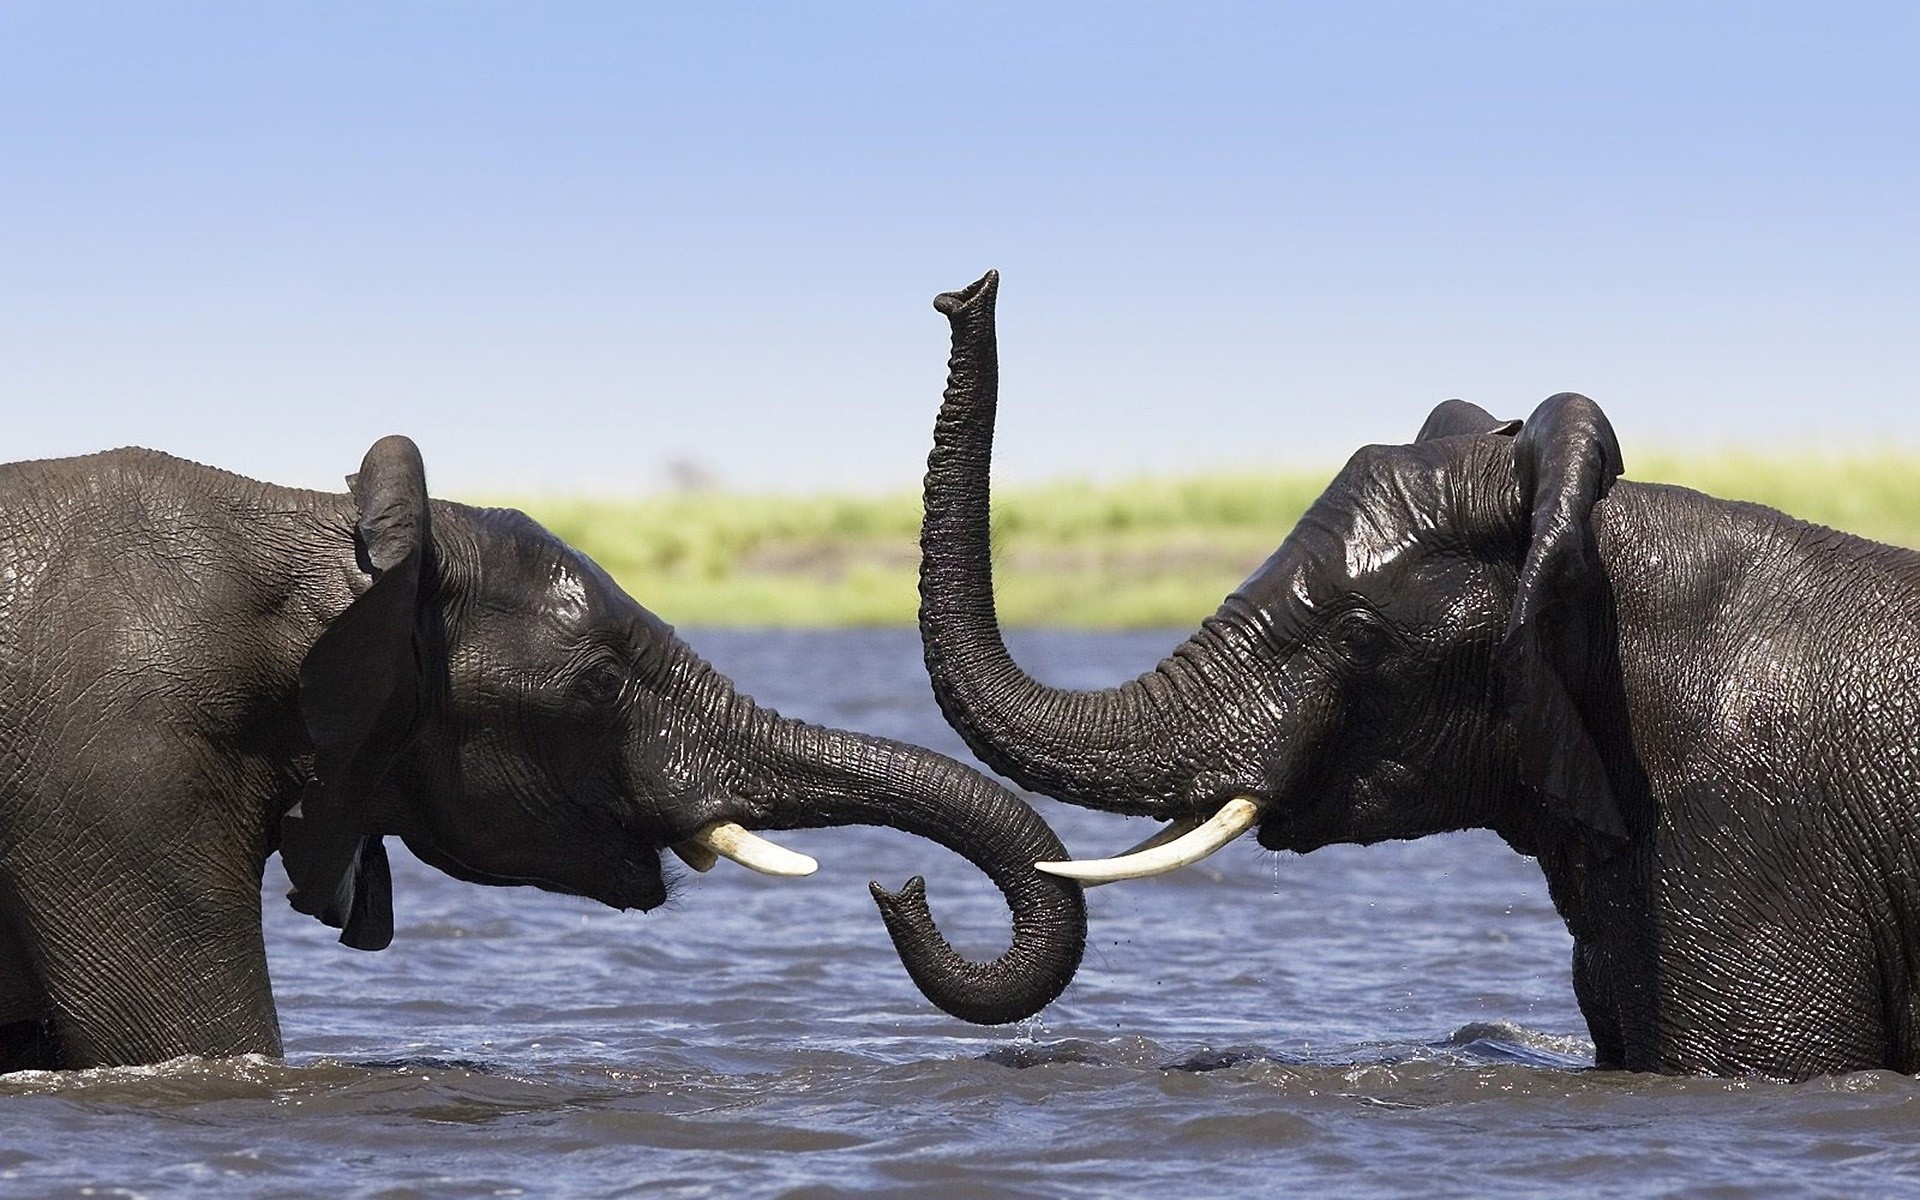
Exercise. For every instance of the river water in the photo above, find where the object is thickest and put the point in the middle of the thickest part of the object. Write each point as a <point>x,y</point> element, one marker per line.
<point>1388,1021</point>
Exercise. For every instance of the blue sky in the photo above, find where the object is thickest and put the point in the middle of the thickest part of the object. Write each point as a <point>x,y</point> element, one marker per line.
<point>561,245</point>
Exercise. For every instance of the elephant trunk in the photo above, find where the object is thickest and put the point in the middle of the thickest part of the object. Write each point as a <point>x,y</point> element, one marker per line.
<point>1112,749</point>
<point>816,777</point>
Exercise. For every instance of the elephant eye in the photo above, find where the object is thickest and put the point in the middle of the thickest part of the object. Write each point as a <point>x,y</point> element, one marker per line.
<point>603,681</point>
<point>1359,637</point>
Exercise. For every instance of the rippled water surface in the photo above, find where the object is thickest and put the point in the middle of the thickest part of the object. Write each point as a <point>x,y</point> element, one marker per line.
<point>1394,1020</point>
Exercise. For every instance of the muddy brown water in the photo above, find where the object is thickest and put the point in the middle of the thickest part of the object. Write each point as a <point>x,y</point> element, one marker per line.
<point>1386,1021</point>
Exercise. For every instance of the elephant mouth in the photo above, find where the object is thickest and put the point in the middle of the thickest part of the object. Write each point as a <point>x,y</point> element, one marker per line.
<point>640,881</point>
<point>1279,831</point>
<point>1323,818</point>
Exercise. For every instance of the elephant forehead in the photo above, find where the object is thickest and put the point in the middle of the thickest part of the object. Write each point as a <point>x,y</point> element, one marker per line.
<point>1336,547</point>
<point>580,597</point>
<point>1378,510</point>
<point>1371,544</point>
<point>567,592</point>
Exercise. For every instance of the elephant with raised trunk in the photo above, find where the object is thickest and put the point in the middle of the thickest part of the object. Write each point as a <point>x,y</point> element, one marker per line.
<point>197,669</point>
<point>1701,717</point>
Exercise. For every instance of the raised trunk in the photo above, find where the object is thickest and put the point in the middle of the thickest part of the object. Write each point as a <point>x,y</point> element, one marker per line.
<point>1114,749</point>
<point>815,777</point>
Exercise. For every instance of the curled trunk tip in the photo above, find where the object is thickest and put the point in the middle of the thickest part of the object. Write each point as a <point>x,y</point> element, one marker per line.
<point>980,290</point>
<point>837,777</point>
<point>1035,969</point>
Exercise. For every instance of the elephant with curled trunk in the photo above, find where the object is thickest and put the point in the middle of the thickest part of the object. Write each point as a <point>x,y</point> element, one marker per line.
<point>1701,717</point>
<point>197,669</point>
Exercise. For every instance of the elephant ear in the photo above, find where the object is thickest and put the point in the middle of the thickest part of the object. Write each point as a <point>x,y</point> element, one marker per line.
<point>1566,458</point>
<point>1453,418</point>
<point>360,690</point>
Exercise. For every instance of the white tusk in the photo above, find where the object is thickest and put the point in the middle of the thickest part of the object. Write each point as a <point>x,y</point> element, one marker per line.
<point>751,851</point>
<point>1180,844</point>
<point>695,855</point>
<point>1171,830</point>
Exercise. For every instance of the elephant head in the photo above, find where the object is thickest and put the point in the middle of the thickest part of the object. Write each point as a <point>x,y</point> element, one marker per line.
<point>1417,656</point>
<point>494,699</point>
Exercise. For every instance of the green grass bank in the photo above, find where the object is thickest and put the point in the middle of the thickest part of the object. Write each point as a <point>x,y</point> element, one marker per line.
<point>1135,554</point>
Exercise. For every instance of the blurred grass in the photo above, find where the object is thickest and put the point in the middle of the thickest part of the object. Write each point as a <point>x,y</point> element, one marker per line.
<point>1132,554</point>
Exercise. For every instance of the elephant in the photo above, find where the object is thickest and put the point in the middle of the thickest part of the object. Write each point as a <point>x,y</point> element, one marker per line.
<point>198,669</point>
<point>1700,717</point>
